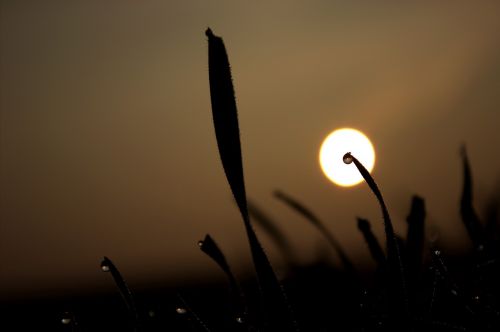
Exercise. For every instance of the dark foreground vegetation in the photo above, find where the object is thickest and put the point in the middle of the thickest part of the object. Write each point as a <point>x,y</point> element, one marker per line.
<point>416,286</point>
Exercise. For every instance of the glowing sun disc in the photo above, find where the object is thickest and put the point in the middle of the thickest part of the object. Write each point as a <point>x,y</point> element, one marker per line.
<point>338,143</point>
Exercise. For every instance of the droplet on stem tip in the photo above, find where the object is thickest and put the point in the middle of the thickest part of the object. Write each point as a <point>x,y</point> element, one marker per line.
<point>347,158</point>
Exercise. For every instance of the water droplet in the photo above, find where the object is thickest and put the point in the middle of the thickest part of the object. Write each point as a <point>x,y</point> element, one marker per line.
<point>437,252</point>
<point>151,313</point>
<point>239,320</point>
<point>66,320</point>
<point>347,158</point>
<point>180,311</point>
<point>200,244</point>
<point>105,268</point>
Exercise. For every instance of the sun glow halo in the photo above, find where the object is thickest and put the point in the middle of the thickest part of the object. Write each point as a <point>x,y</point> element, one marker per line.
<point>338,143</point>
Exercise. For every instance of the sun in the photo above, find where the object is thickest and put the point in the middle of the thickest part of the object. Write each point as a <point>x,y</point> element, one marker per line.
<point>338,143</point>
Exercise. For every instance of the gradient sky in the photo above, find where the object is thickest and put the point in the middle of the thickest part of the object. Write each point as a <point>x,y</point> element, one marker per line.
<point>107,143</point>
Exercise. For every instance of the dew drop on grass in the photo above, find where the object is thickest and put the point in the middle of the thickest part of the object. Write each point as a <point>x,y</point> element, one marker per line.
<point>105,268</point>
<point>347,158</point>
<point>66,318</point>
<point>180,311</point>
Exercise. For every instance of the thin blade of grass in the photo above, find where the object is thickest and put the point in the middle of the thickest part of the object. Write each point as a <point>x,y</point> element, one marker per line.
<point>225,118</point>
<point>108,266</point>
<point>239,307</point>
<point>316,222</point>
<point>274,232</point>
<point>372,242</point>
<point>415,241</point>
<point>467,212</point>
<point>492,221</point>
<point>397,279</point>
<point>227,133</point>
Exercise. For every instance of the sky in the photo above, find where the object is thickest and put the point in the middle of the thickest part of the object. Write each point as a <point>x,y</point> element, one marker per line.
<point>107,145</point>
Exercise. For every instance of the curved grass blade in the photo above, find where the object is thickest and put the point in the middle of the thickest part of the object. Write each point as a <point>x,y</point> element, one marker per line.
<point>269,226</point>
<point>467,212</point>
<point>316,222</point>
<point>397,279</point>
<point>226,126</point>
<point>239,307</point>
<point>372,242</point>
<point>108,266</point>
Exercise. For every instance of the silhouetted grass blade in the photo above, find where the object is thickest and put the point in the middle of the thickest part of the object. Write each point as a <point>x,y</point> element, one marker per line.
<point>239,308</point>
<point>492,220</point>
<point>300,208</point>
<point>209,247</point>
<point>415,237</point>
<point>397,278</point>
<point>372,242</point>
<point>469,216</point>
<point>108,266</point>
<point>228,141</point>
<point>309,215</point>
<point>225,118</point>
<point>273,231</point>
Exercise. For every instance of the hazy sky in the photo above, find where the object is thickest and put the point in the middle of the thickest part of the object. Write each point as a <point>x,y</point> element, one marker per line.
<point>107,143</point>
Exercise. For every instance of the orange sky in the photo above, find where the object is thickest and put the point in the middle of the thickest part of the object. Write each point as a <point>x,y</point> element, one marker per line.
<point>107,144</point>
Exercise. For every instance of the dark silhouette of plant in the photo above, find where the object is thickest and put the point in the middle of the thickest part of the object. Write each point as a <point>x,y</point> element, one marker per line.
<point>398,297</point>
<point>225,118</point>
<point>238,303</point>
<point>469,215</point>
<point>372,242</point>
<point>108,266</point>
<point>414,247</point>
